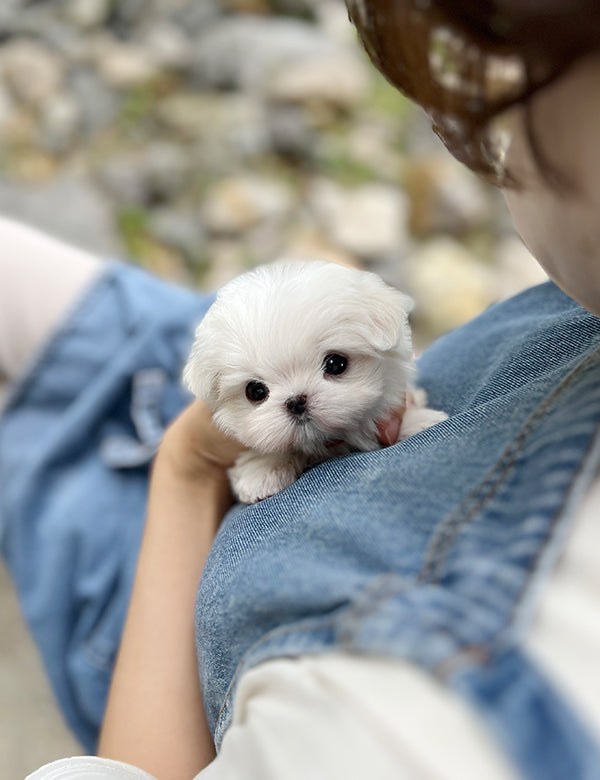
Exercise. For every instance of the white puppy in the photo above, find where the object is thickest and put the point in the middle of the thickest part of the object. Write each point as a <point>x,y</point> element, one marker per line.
<point>299,362</point>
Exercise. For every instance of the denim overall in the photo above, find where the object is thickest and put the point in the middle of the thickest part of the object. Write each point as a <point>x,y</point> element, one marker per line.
<point>435,550</point>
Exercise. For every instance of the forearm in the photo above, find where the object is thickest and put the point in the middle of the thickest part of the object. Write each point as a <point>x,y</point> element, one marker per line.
<point>155,716</point>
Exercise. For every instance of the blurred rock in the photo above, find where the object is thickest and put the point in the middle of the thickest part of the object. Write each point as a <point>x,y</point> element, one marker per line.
<point>238,204</point>
<point>246,6</point>
<point>98,104</point>
<point>187,113</point>
<point>445,197</point>
<point>8,10</point>
<point>297,7</point>
<point>367,221</point>
<point>167,45</point>
<point>332,17</point>
<point>374,144</point>
<point>123,177</point>
<point>67,207</point>
<point>33,72</point>
<point>336,78</point>
<point>7,111</point>
<point>127,13</point>
<point>312,244</point>
<point>230,258</point>
<point>165,168</point>
<point>87,14</point>
<point>289,132</point>
<point>123,65</point>
<point>181,230</point>
<point>449,285</point>
<point>192,17</point>
<point>226,132</point>
<point>60,122</point>
<point>155,174</point>
<point>242,52</point>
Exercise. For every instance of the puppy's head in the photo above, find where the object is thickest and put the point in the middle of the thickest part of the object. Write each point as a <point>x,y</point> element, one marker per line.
<point>294,356</point>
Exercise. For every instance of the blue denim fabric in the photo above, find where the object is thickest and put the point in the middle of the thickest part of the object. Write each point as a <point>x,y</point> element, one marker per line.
<point>434,550</point>
<point>75,443</point>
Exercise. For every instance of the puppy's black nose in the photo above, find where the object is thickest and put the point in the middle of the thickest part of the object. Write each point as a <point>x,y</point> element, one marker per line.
<point>296,405</point>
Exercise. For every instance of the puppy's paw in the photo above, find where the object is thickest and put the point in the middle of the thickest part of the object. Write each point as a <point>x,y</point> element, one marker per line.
<point>256,477</point>
<point>417,419</point>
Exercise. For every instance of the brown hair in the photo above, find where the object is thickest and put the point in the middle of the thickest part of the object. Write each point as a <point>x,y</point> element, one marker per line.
<point>466,61</point>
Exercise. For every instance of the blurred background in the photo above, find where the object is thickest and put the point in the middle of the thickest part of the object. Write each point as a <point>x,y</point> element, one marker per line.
<point>197,138</point>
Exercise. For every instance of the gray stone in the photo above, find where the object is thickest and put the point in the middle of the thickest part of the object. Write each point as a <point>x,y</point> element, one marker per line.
<point>445,196</point>
<point>33,72</point>
<point>9,10</point>
<point>165,169</point>
<point>167,45</point>
<point>67,207</point>
<point>241,52</point>
<point>98,105</point>
<point>156,173</point>
<point>291,134</point>
<point>39,21</point>
<point>125,67</point>
<point>7,109</point>
<point>122,65</point>
<point>339,78</point>
<point>367,221</point>
<point>449,284</point>
<point>127,13</point>
<point>298,7</point>
<point>60,122</point>
<point>124,178</point>
<point>193,17</point>
<point>87,14</point>
<point>181,230</point>
<point>241,203</point>
<point>230,258</point>
<point>228,130</point>
<point>187,113</point>
<point>332,18</point>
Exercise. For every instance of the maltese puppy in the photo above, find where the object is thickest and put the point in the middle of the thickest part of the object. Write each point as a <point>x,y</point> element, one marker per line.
<point>300,361</point>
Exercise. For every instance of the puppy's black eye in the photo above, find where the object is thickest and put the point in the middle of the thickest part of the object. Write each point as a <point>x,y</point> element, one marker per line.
<point>335,364</point>
<point>257,392</point>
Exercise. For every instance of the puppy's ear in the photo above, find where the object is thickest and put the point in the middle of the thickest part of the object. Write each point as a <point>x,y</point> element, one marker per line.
<point>387,311</point>
<point>201,372</point>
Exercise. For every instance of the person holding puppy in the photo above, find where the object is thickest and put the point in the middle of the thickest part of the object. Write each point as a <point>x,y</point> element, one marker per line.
<point>428,609</point>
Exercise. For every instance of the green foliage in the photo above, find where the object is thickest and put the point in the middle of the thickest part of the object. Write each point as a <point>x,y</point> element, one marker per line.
<point>388,101</point>
<point>340,166</point>
<point>133,227</point>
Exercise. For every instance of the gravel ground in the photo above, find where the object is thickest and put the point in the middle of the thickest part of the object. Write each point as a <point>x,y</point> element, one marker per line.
<point>32,732</point>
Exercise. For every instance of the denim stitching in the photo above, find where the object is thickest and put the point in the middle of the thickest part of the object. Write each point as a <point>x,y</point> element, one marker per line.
<point>545,539</point>
<point>441,545</point>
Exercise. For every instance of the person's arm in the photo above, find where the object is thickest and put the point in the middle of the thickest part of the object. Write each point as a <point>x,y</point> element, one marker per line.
<point>155,716</point>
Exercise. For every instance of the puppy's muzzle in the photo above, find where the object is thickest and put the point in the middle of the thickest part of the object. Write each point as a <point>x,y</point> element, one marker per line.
<point>296,406</point>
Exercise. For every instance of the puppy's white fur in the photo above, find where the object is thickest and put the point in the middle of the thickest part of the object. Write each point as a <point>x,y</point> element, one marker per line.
<point>277,325</point>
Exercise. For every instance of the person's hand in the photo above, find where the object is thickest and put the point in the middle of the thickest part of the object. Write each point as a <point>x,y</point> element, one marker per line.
<point>194,448</point>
